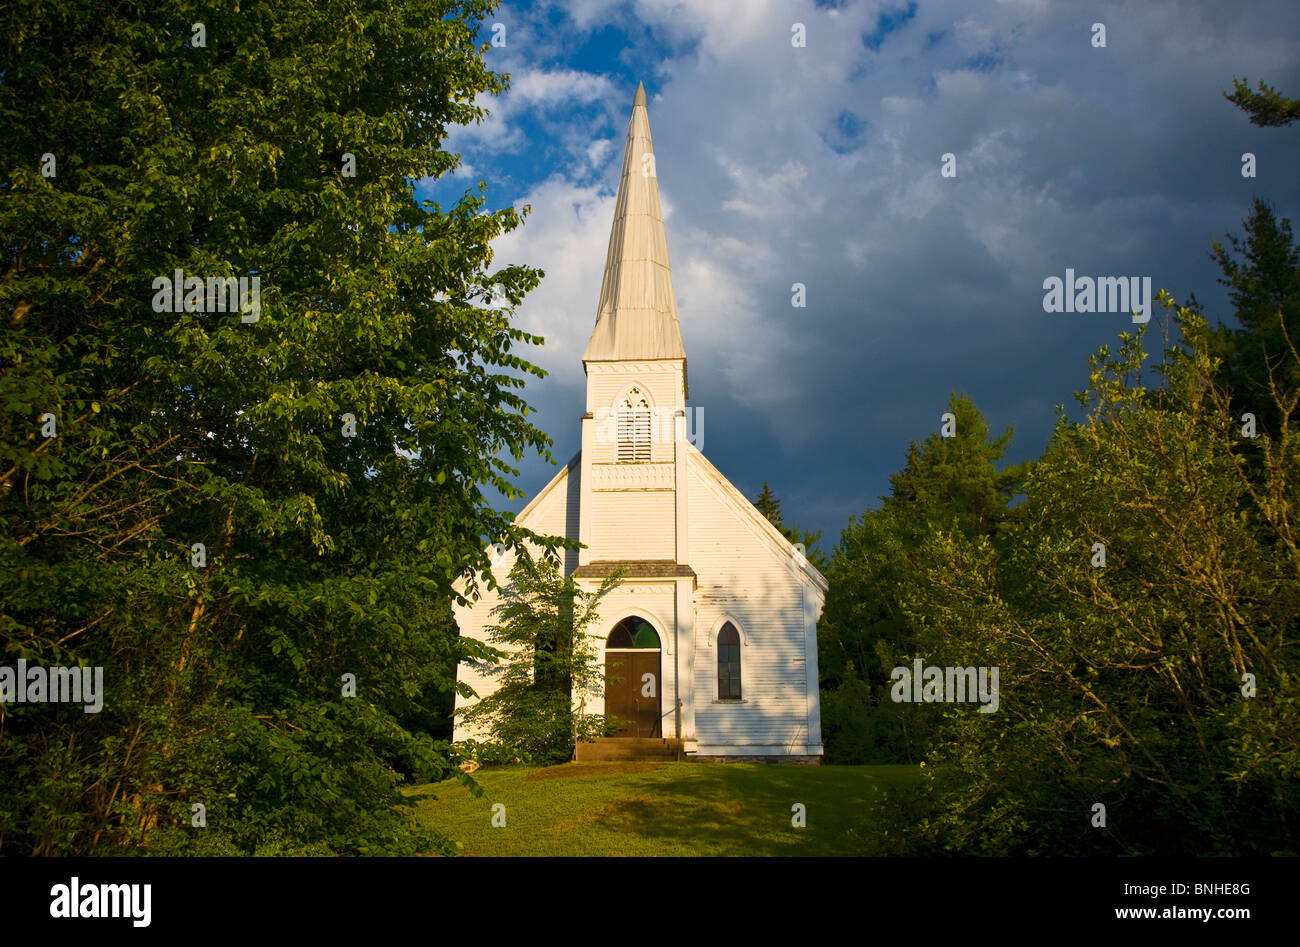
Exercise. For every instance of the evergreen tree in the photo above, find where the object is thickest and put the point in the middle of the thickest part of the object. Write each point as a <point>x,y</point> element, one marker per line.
<point>1262,273</point>
<point>768,504</point>
<point>866,629</point>
<point>1265,107</point>
<point>957,476</point>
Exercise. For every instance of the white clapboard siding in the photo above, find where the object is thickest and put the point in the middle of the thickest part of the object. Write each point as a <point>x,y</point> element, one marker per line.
<point>629,524</point>
<point>751,578</point>
<point>554,512</point>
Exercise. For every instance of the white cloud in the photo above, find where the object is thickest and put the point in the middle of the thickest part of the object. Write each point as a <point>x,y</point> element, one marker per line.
<point>542,87</point>
<point>773,196</point>
<point>599,151</point>
<point>1056,146</point>
<point>536,92</point>
<point>974,36</point>
<point>566,235</point>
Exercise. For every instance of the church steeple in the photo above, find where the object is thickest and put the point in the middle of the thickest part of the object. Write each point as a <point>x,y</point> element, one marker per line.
<point>636,319</point>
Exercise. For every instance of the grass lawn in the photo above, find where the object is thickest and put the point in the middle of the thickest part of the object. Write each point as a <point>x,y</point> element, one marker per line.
<point>668,809</point>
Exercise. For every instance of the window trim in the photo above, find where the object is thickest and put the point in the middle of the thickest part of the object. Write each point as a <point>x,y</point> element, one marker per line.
<point>636,611</point>
<point>614,627</point>
<point>640,445</point>
<point>741,642</point>
<point>713,647</point>
<point>717,627</point>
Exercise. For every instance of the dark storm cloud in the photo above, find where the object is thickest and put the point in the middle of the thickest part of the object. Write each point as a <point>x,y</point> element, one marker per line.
<point>821,166</point>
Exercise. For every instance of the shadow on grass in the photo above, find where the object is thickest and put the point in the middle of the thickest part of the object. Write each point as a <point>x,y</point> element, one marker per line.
<point>751,809</point>
<point>659,808</point>
<point>587,770</point>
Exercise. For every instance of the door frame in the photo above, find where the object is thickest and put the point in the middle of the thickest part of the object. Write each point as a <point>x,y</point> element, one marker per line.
<point>656,728</point>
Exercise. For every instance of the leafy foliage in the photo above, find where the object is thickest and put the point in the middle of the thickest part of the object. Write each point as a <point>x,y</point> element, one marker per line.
<point>325,554</point>
<point>547,662</point>
<point>948,483</point>
<point>1123,685</point>
<point>1160,683</point>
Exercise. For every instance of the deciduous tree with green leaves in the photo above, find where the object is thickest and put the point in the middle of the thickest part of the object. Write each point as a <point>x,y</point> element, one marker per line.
<point>1158,681</point>
<point>235,517</point>
<point>547,666</point>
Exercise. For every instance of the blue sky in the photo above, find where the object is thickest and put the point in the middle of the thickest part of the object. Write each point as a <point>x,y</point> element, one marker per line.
<point>821,165</point>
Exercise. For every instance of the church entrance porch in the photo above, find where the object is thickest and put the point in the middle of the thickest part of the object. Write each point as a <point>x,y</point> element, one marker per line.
<point>633,676</point>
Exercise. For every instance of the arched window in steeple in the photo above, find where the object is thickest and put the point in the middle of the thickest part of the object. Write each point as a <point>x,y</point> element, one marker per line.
<point>634,429</point>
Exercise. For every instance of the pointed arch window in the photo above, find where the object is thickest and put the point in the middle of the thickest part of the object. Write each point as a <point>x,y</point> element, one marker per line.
<point>634,429</point>
<point>728,663</point>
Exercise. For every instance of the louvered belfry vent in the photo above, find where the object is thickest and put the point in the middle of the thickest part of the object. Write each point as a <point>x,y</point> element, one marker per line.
<point>634,429</point>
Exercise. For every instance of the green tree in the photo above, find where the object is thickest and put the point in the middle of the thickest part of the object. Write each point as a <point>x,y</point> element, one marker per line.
<point>1126,682</point>
<point>331,457</point>
<point>862,635</point>
<point>548,665</point>
<point>957,477</point>
<point>1265,107</point>
<point>768,504</point>
<point>1262,273</point>
<point>948,483</point>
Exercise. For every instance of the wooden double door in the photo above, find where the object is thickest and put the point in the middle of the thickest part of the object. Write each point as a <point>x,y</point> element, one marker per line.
<point>633,683</point>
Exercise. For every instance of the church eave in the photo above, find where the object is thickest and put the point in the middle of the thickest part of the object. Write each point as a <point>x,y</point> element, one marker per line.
<point>635,569</point>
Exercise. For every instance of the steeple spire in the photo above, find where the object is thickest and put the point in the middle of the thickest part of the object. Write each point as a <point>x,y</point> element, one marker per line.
<point>637,314</point>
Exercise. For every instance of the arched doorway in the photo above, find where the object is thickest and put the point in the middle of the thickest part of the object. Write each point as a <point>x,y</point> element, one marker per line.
<point>632,678</point>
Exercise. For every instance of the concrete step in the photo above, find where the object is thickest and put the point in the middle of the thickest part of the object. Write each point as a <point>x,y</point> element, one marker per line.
<point>628,748</point>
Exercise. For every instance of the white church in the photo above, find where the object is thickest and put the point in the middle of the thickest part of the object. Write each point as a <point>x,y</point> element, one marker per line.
<point>714,628</point>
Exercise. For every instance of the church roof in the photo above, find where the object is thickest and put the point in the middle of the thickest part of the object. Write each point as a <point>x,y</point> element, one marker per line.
<point>637,315</point>
<point>633,569</point>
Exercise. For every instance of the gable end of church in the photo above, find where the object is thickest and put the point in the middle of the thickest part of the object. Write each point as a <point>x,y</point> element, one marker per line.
<point>716,615</point>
